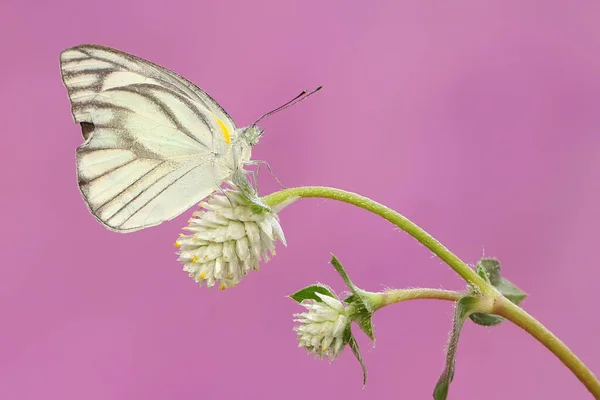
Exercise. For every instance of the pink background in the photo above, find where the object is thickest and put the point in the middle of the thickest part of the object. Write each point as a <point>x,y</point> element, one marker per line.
<point>478,120</point>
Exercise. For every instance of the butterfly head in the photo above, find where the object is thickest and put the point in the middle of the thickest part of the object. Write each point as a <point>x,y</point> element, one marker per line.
<point>252,134</point>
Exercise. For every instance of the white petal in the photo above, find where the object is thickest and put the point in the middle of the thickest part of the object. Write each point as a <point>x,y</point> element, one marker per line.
<point>278,231</point>
<point>331,302</point>
<point>242,248</point>
<point>213,251</point>
<point>216,202</point>
<point>339,326</point>
<point>266,227</point>
<point>235,230</point>
<point>338,346</point>
<point>233,269</point>
<point>212,217</point>
<point>254,238</point>
<point>229,251</point>
<point>326,343</point>
<point>244,213</point>
<point>219,268</point>
<point>218,235</point>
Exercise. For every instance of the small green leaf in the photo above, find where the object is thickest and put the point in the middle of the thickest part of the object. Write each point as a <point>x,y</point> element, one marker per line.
<point>489,269</point>
<point>309,293</point>
<point>485,319</point>
<point>464,308</point>
<point>481,271</point>
<point>491,266</point>
<point>511,291</point>
<point>349,338</point>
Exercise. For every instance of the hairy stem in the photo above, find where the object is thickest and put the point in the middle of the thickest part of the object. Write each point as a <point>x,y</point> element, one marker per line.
<point>395,218</point>
<point>394,296</point>
<point>502,306</point>
<point>522,319</point>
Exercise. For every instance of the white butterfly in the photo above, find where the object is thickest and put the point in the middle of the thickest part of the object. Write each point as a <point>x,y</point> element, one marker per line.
<point>155,143</point>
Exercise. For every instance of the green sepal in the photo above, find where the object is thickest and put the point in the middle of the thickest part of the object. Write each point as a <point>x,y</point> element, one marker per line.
<point>309,293</point>
<point>349,339</point>
<point>363,309</point>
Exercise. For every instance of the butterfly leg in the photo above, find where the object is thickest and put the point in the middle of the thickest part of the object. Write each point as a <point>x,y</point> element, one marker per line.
<point>258,163</point>
<point>254,175</point>
<point>224,193</point>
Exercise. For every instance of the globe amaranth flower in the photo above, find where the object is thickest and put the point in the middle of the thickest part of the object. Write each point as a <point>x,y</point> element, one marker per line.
<point>228,238</point>
<point>322,327</point>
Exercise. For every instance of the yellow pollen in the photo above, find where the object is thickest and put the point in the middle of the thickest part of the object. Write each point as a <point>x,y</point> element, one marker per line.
<point>203,275</point>
<point>177,244</point>
<point>194,259</point>
<point>226,134</point>
<point>222,286</point>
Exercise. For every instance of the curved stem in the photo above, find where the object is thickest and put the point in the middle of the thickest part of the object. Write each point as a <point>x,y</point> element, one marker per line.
<point>395,218</point>
<point>393,296</point>
<point>525,321</point>
<point>502,305</point>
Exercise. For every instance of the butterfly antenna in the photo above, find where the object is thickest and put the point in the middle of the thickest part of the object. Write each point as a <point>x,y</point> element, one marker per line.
<point>303,95</point>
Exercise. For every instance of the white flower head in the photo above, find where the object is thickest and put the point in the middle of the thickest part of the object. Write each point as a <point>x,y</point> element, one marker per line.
<point>228,238</point>
<point>322,326</point>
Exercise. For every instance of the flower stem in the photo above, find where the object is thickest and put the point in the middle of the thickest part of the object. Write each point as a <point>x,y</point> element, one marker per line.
<point>394,296</point>
<point>395,218</point>
<point>525,321</point>
<point>502,306</point>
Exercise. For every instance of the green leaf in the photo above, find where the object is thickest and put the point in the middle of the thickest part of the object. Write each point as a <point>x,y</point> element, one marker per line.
<point>441,390</point>
<point>349,339</point>
<point>365,322</point>
<point>309,293</point>
<point>464,308</point>
<point>489,269</point>
<point>511,291</point>
<point>481,271</point>
<point>485,319</point>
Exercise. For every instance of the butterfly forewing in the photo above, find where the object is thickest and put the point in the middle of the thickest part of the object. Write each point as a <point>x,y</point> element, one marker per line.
<point>154,141</point>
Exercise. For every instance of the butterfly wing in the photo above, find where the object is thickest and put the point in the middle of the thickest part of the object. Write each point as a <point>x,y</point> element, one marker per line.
<point>155,143</point>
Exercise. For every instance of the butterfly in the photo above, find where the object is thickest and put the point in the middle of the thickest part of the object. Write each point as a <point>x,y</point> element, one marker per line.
<point>155,143</point>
